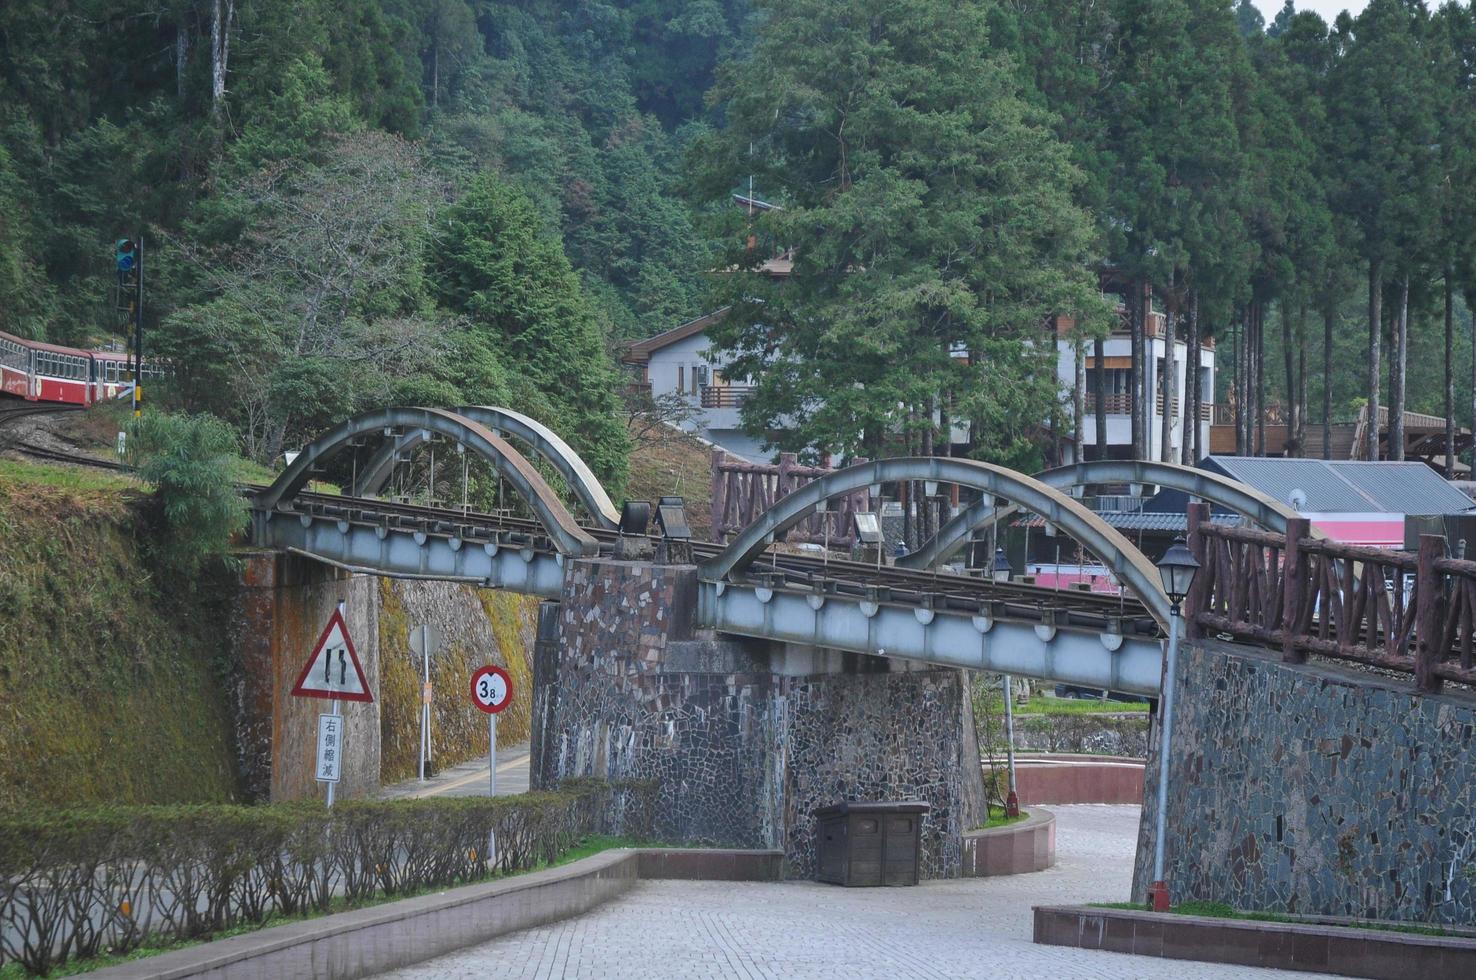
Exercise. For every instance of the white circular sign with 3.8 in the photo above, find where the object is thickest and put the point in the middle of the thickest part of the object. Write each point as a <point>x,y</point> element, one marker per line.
<point>491,689</point>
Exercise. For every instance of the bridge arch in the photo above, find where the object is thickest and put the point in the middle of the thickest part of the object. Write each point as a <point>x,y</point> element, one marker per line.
<point>543,440</point>
<point>1260,508</point>
<point>568,537</point>
<point>1108,544</point>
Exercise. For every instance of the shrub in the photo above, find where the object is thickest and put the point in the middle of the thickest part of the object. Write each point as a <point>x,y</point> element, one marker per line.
<point>76,883</point>
<point>191,461</point>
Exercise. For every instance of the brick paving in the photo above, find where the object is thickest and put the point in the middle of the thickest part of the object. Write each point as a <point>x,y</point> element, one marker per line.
<point>747,931</point>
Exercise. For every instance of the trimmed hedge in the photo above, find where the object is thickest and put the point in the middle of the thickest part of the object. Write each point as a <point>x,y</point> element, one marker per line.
<point>78,883</point>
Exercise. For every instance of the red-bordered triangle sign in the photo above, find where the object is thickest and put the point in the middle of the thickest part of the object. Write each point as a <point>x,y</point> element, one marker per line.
<point>334,671</point>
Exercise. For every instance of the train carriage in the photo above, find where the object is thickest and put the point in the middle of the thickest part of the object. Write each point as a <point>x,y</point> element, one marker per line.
<point>15,366</point>
<point>37,371</point>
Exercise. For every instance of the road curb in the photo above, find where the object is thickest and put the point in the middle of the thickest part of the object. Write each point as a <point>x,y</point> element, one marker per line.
<point>364,942</point>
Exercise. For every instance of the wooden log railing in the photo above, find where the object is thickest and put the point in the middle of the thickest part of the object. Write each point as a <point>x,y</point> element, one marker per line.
<point>741,491</point>
<point>1412,612</point>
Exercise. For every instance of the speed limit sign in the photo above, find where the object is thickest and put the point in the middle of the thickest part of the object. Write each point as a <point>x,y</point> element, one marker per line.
<point>491,689</point>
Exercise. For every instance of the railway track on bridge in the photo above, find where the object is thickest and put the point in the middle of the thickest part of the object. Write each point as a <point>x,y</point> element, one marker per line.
<point>820,573</point>
<point>777,570</point>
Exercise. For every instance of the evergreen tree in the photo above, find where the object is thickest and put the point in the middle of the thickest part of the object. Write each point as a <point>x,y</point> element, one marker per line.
<point>929,212</point>
<point>496,264</point>
<point>1381,104</point>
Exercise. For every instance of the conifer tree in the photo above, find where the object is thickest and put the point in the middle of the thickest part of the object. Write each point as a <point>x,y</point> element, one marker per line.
<point>928,208</point>
<point>1381,104</point>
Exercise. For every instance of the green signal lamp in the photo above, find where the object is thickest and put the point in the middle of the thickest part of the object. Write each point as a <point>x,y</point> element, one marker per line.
<point>125,255</point>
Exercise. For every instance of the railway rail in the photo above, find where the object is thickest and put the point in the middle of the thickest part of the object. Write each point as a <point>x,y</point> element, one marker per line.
<point>824,573</point>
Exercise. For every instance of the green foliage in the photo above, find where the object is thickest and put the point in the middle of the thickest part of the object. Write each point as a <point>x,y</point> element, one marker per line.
<point>1047,705</point>
<point>1232,163</point>
<point>24,291</point>
<point>929,211</point>
<point>80,879</point>
<point>191,461</point>
<point>998,818</point>
<point>495,264</point>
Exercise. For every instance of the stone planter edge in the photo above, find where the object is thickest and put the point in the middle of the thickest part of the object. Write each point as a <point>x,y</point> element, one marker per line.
<point>1017,848</point>
<point>364,942</point>
<point>1340,950</point>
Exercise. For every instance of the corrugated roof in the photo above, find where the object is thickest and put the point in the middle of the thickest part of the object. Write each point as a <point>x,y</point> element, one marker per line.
<point>1342,486</point>
<point>1138,520</point>
<point>1403,488</point>
<point>1279,477</point>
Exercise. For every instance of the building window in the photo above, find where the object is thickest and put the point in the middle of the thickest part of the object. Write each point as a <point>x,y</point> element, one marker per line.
<point>681,378</point>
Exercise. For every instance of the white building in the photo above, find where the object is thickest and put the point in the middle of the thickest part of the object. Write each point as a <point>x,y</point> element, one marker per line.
<point>1117,389</point>
<point>679,362</point>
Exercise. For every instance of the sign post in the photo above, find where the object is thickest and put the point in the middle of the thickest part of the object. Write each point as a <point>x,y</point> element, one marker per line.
<point>327,675</point>
<point>492,690</point>
<point>424,639</point>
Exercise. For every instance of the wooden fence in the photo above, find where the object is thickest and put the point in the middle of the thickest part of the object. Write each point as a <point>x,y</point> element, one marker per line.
<point>1412,612</point>
<point>741,491</point>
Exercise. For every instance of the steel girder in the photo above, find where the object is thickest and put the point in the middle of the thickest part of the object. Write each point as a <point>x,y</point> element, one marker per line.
<point>543,440</point>
<point>399,552</point>
<point>1260,508</point>
<point>568,537</point>
<point>1106,659</point>
<point>1114,550</point>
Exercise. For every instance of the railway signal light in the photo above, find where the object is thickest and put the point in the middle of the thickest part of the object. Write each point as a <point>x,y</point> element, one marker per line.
<point>125,257</point>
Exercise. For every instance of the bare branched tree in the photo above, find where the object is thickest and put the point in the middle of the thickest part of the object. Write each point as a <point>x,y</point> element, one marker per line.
<point>312,307</point>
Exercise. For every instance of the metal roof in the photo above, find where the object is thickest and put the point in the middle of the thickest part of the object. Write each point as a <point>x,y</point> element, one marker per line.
<point>1404,488</point>
<point>1282,478</point>
<point>1340,486</point>
<point>1138,520</point>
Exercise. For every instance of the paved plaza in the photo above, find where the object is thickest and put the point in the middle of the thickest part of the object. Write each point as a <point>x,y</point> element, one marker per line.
<point>961,928</point>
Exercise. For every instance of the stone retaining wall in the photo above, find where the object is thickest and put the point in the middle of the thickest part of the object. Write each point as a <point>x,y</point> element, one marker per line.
<point>1316,789</point>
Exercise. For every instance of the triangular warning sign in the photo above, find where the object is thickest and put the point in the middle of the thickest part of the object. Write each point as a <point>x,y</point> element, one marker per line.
<point>334,671</point>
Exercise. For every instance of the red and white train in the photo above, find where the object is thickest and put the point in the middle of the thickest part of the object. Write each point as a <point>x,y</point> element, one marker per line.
<point>41,372</point>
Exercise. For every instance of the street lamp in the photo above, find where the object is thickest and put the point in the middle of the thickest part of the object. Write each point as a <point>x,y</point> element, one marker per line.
<point>1176,569</point>
<point>1001,569</point>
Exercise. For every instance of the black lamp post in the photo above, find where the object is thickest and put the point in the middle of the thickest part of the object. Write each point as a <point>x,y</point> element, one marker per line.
<point>1176,569</point>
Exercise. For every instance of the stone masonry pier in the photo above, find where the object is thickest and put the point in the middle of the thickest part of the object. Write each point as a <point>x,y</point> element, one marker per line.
<point>747,737</point>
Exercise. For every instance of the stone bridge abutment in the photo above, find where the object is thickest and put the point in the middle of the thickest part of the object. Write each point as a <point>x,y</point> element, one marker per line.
<point>746,737</point>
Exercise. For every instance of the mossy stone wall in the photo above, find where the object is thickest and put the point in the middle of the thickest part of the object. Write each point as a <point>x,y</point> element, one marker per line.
<point>112,677</point>
<point>477,627</point>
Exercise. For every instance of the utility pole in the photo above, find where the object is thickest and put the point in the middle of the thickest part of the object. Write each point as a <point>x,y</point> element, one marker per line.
<point>138,333</point>
<point>128,261</point>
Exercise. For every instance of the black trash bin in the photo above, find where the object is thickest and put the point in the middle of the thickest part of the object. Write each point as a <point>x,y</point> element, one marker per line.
<point>869,844</point>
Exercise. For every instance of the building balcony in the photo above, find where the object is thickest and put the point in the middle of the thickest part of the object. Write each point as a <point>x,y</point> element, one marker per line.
<point>725,396</point>
<point>1121,404</point>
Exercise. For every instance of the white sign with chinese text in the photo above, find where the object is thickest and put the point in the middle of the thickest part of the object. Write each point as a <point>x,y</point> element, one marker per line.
<point>330,748</point>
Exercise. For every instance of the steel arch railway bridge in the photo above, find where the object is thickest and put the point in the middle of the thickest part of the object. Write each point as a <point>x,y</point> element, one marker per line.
<point>907,613</point>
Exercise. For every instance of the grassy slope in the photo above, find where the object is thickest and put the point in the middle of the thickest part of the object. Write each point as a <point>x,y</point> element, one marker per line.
<point>107,691</point>
<point>1047,705</point>
<point>664,462</point>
